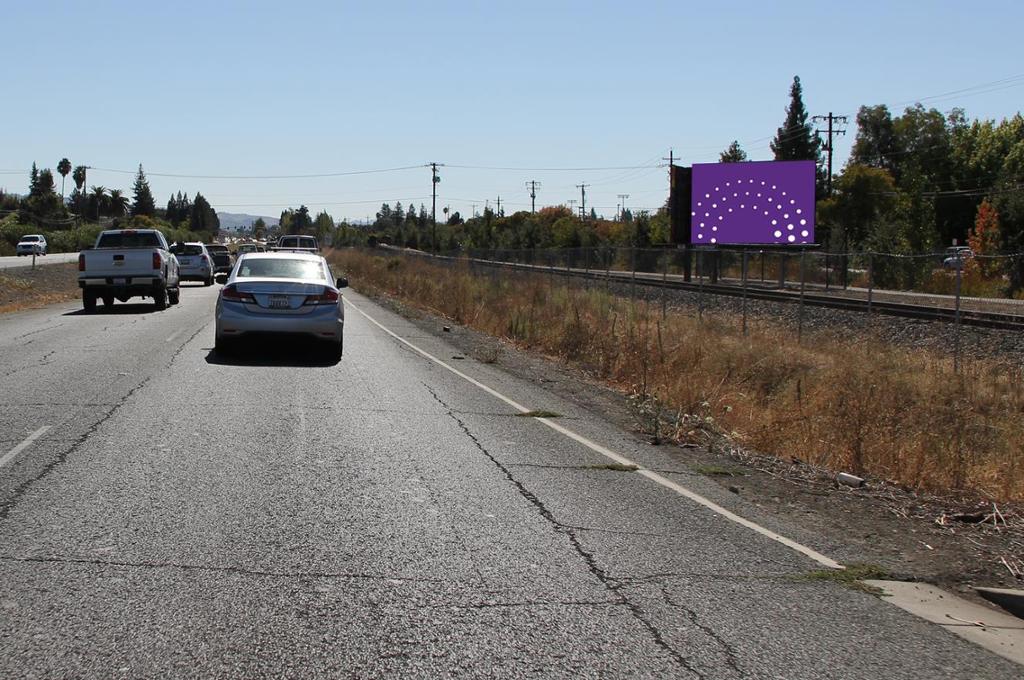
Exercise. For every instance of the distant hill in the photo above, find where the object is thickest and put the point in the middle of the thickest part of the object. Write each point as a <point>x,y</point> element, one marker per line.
<point>232,221</point>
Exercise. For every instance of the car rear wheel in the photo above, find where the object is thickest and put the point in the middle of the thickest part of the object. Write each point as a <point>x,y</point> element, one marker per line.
<point>223,346</point>
<point>160,298</point>
<point>209,281</point>
<point>174,296</point>
<point>108,300</point>
<point>89,300</point>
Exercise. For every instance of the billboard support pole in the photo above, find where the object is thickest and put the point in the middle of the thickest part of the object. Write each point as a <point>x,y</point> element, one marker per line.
<point>800,329</point>
<point>743,278</point>
<point>700,278</point>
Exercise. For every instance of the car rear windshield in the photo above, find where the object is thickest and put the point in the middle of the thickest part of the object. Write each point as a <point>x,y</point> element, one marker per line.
<point>30,239</point>
<point>129,240</point>
<point>298,242</point>
<point>281,268</point>
<point>185,249</point>
<point>216,247</point>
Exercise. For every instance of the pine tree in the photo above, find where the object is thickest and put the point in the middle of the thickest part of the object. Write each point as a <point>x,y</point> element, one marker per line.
<point>44,183</point>
<point>795,141</point>
<point>33,181</point>
<point>734,154</point>
<point>143,203</point>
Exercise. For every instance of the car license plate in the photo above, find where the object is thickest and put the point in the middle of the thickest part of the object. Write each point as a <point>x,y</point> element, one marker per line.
<point>279,302</point>
<point>120,282</point>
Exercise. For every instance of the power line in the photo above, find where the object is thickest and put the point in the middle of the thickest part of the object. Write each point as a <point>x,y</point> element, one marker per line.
<point>831,134</point>
<point>309,176</point>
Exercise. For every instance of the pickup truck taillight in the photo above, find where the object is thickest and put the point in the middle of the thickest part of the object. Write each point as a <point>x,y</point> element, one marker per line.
<point>233,294</point>
<point>328,297</point>
<point>81,262</point>
<point>157,262</point>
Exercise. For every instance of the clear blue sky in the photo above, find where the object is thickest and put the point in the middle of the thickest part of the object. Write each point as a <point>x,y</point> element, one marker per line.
<point>289,88</point>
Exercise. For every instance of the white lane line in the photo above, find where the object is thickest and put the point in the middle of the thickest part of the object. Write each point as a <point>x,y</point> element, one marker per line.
<point>9,456</point>
<point>618,458</point>
<point>173,335</point>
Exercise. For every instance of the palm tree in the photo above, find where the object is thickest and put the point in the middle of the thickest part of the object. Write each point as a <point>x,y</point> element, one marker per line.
<point>117,203</point>
<point>64,167</point>
<point>98,201</point>
<point>78,174</point>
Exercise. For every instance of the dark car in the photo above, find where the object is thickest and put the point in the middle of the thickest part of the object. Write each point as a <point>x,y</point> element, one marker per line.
<point>222,260</point>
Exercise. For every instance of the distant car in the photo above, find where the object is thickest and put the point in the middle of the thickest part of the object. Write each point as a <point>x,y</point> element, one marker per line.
<point>31,244</point>
<point>222,260</point>
<point>244,248</point>
<point>305,244</point>
<point>956,256</point>
<point>280,294</point>
<point>194,262</point>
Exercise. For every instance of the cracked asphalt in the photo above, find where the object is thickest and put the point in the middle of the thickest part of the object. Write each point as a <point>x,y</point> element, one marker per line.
<point>279,515</point>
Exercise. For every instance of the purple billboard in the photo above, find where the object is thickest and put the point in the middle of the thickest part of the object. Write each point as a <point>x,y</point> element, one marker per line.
<point>766,202</point>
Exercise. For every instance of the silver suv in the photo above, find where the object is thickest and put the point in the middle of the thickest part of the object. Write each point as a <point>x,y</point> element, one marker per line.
<point>194,262</point>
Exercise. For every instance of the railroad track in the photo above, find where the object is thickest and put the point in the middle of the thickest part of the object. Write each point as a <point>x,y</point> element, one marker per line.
<point>967,317</point>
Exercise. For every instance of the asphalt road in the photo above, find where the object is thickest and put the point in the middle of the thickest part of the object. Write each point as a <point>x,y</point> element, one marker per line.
<point>11,261</point>
<point>278,515</point>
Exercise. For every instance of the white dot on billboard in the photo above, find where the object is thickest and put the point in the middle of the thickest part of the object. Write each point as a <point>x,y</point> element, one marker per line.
<point>791,238</point>
<point>707,214</point>
<point>791,201</point>
<point>774,222</point>
<point>700,235</point>
<point>789,226</point>
<point>707,195</point>
<point>714,240</point>
<point>730,209</point>
<point>802,222</point>
<point>742,205</point>
<point>714,205</point>
<point>778,234</point>
<point>783,193</point>
<point>702,224</point>
<point>785,216</point>
<point>714,228</point>
<point>804,233</point>
<point>774,187</point>
<point>798,211</point>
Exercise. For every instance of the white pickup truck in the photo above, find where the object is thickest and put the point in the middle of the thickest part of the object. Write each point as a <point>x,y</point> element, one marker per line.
<point>128,263</point>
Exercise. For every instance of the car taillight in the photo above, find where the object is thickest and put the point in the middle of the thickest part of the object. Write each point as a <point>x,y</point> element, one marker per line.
<point>205,259</point>
<point>328,297</point>
<point>81,262</point>
<point>235,295</point>
<point>157,261</point>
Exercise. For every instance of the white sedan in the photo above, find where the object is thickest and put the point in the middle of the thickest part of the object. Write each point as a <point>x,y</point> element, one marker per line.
<point>280,294</point>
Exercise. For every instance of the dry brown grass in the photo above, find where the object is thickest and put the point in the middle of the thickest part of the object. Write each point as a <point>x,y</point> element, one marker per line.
<point>24,288</point>
<point>840,402</point>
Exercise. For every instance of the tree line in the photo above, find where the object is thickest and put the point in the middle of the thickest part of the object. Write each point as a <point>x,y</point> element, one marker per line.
<point>42,208</point>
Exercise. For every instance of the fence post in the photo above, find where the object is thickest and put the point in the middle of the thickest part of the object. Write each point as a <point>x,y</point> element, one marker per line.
<point>956,330</point>
<point>871,279</point>
<point>803,278</point>
<point>743,279</point>
<point>664,285</point>
<point>632,274</point>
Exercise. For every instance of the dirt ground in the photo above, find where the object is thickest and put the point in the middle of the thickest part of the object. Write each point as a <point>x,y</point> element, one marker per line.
<point>27,288</point>
<point>954,541</point>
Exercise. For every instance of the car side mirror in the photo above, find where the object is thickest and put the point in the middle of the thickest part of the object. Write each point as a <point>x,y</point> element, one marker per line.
<point>221,278</point>
<point>343,282</point>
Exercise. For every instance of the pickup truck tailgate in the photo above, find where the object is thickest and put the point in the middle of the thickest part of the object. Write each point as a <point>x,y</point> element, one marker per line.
<point>118,263</point>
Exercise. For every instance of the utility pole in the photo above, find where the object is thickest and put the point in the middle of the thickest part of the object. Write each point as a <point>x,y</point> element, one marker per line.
<point>830,132</point>
<point>623,198</point>
<point>533,184</point>
<point>572,204</point>
<point>671,160</point>
<point>498,213</point>
<point>583,200</point>
<point>473,214</point>
<point>433,204</point>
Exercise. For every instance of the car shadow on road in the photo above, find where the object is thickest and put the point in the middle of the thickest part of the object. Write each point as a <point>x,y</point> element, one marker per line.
<point>288,352</point>
<point>116,309</point>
